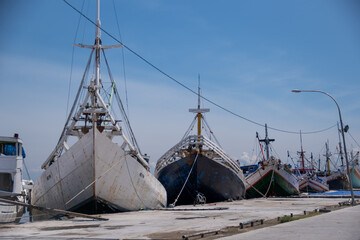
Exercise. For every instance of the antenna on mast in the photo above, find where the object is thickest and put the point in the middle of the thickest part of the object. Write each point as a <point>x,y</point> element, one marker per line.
<point>97,46</point>
<point>199,91</point>
<point>98,23</point>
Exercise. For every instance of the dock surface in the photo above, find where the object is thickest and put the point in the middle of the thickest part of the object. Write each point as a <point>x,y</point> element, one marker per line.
<point>209,218</point>
<point>341,224</point>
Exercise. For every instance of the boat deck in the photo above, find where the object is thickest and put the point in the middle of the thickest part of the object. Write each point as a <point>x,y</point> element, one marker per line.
<point>172,223</point>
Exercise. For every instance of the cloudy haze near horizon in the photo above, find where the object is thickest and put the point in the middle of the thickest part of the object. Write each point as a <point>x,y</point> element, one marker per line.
<point>249,54</point>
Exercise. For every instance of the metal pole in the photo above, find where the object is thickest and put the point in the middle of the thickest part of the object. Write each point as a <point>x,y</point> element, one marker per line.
<point>343,137</point>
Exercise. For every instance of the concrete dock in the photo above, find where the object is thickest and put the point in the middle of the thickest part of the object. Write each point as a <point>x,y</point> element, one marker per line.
<point>209,221</point>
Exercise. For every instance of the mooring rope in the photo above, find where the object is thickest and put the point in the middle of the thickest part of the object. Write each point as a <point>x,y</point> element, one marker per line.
<point>272,178</point>
<point>173,204</point>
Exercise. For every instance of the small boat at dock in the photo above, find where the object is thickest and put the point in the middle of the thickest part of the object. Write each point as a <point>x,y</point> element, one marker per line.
<point>336,179</point>
<point>269,177</point>
<point>308,179</point>
<point>197,170</point>
<point>12,185</point>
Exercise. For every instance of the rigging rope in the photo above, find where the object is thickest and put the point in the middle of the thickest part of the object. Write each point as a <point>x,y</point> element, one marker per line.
<point>123,60</point>
<point>188,88</point>
<point>72,61</point>
<point>271,181</point>
<point>353,138</point>
<point>122,109</point>
<point>27,171</point>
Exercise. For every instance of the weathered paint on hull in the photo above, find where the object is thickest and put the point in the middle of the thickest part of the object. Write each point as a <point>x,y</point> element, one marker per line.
<point>216,181</point>
<point>312,186</point>
<point>338,181</point>
<point>282,183</point>
<point>113,177</point>
<point>355,176</point>
<point>10,213</point>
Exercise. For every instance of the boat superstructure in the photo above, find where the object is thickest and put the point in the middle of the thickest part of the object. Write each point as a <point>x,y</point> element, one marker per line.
<point>269,177</point>
<point>197,170</point>
<point>103,170</point>
<point>11,179</point>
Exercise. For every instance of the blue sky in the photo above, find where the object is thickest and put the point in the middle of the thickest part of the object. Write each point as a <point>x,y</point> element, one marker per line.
<point>249,54</point>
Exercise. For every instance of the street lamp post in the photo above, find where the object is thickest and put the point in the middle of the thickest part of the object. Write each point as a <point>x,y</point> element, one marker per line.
<point>343,137</point>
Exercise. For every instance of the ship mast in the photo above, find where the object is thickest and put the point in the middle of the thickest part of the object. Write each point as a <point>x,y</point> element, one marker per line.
<point>94,105</point>
<point>199,111</point>
<point>267,142</point>
<point>97,45</point>
<point>327,155</point>
<point>301,153</point>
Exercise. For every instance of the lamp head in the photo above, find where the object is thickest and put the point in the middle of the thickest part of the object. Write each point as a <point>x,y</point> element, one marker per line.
<point>296,90</point>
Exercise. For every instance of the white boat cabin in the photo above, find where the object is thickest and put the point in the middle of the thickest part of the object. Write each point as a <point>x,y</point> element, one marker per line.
<point>11,164</point>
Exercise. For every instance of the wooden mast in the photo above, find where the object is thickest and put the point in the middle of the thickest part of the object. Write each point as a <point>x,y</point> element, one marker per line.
<point>199,111</point>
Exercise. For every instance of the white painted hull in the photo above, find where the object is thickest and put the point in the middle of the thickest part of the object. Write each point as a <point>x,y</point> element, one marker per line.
<point>112,177</point>
<point>312,184</point>
<point>10,213</point>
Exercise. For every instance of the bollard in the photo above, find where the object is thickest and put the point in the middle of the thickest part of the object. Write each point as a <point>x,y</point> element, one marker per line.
<point>291,215</point>
<point>304,212</point>
<point>262,221</point>
<point>241,225</point>
<point>252,224</point>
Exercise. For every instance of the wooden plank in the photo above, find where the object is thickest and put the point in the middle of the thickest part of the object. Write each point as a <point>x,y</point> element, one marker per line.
<point>51,210</point>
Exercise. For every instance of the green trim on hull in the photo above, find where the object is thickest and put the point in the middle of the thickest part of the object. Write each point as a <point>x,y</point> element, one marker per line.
<point>279,186</point>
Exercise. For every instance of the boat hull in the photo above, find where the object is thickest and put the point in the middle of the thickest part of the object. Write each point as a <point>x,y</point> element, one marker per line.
<point>313,185</point>
<point>10,213</point>
<point>271,180</point>
<point>209,177</point>
<point>338,181</point>
<point>355,176</point>
<point>81,181</point>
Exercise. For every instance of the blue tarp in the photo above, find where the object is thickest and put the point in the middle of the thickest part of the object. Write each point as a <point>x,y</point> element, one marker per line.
<point>336,193</point>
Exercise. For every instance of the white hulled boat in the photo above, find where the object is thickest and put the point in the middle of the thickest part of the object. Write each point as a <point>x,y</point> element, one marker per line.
<point>12,185</point>
<point>102,171</point>
<point>308,179</point>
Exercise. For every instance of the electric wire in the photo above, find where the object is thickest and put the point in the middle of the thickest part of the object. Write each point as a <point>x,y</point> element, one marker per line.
<point>188,88</point>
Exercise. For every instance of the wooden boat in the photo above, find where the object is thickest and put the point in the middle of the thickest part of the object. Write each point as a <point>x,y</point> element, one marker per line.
<point>197,170</point>
<point>336,179</point>
<point>355,170</point>
<point>12,185</point>
<point>269,177</point>
<point>310,182</point>
<point>102,171</point>
<point>308,179</point>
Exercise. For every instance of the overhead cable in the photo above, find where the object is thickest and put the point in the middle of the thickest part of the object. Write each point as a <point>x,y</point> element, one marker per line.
<point>188,88</point>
